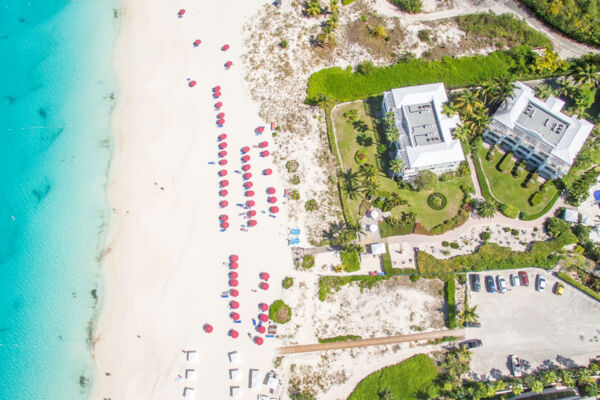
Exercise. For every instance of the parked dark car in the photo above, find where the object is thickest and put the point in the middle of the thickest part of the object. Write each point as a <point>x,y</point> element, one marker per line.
<point>489,284</point>
<point>472,325</point>
<point>475,283</point>
<point>471,343</point>
<point>524,278</point>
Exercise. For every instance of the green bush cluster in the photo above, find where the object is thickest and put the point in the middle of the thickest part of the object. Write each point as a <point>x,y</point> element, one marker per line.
<point>280,312</point>
<point>292,166</point>
<point>340,85</point>
<point>350,260</point>
<point>451,303</point>
<point>330,284</point>
<point>288,282</point>
<point>308,261</point>
<point>311,205</point>
<point>344,338</point>
<point>491,256</point>
<point>505,163</point>
<point>460,218</point>
<point>346,2</point>
<point>578,191</point>
<point>509,211</point>
<point>395,226</point>
<point>410,6</point>
<point>437,201</point>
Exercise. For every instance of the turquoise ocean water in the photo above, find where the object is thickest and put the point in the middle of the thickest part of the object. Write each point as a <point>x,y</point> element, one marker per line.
<point>57,89</point>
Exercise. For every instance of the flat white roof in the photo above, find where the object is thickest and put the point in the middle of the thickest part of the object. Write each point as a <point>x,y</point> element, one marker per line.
<point>420,157</point>
<point>378,248</point>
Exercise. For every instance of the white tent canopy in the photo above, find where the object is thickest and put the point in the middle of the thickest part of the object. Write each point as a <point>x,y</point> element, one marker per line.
<point>373,214</point>
<point>234,374</point>
<point>190,374</point>
<point>189,393</point>
<point>372,228</point>
<point>234,357</point>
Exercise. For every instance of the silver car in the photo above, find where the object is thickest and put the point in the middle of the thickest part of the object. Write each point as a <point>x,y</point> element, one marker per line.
<point>540,283</point>
<point>514,280</point>
<point>501,282</point>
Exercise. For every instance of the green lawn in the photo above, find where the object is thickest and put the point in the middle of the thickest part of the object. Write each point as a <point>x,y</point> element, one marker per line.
<point>346,133</point>
<point>507,189</point>
<point>411,379</point>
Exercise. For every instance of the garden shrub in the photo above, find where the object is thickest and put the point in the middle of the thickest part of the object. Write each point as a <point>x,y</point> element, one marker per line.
<point>395,226</point>
<point>311,205</point>
<point>360,157</point>
<point>424,35</point>
<point>578,285</point>
<point>295,180</point>
<point>454,245</point>
<point>410,6</point>
<point>578,191</point>
<point>292,166</point>
<point>536,198</point>
<point>505,163</point>
<point>308,261</point>
<point>350,260</point>
<point>437,201</point>
<point>485,236</point>
<point>295,195</point>
<point>555,227</point>
<point>425,180</point>
<point>280,312</point>
<point>288,282</point>
<point>445,243</point>
<point>509,211</point>
<point>451,302</point>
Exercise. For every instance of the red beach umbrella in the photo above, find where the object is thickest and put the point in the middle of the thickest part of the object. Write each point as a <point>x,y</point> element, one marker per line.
<point>245,149</point>
<point>228,64</point>
<point>265,276</point>
<point>225,47</point>
<point>272,199</point>
<point>224,183</point>
<point>234,304</point>
<point>258,340</point>
<point>221,115</point>
<point>224,217</point>
<point>247,175</point>
<point>249,193</point>
<point>223,145</point>
<point>264,286</point>
<point>217,89</point>
<point>233,283</point>
<point>233,265</point>
<point>234,293</point>
<point>252,222</point>
<point>192,83</point>
<point>248,185</point>
<point>208,328</point>
<point>223,193</point>
<point>233,275</point>
<point>197,42</point>
<point>223,172</point>
<point>246,158</point>
<point>267,171</point>
<point>251,213</point>
<point>263,306</point>
<point>233,333</point>
<point>222,153</point>
<point>223,203</point>
<point>222,136</point>
<point>261,329</point>
<point>263,317</point>
<point>223,162</point>
<point>250,203</point>
<point>264,153</point>
<point>224,225</point>
<point>271,190</point>
<point>221,121</point>
<point>218,105</point>
<point>181,12</point>
<point>274,209</point>
<point>234,257</point>
<point>263,144</point>
<point>246,167</point>
<point>235,316</point>
<point>216,95</point>
<point>260,129</point>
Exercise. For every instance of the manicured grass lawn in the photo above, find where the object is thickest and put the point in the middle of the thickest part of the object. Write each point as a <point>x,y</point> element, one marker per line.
<point>411,379</point>
<point>346,133</point>
<point>507,189</point>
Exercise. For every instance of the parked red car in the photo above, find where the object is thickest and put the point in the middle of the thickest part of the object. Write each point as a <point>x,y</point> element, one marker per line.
<point>524,278</point>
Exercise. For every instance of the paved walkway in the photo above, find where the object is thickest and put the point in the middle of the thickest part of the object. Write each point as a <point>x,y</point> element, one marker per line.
<point>565,47</point>
<point>308,348</point>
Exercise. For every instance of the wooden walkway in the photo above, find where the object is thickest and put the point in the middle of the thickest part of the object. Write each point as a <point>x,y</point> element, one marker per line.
<point>307,348</point>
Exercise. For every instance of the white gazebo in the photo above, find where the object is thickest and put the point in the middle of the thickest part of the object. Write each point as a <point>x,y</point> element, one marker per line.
<point>190,374</point>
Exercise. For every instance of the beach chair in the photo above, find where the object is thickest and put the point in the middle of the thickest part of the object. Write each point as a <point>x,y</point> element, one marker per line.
<point>270,336</point>
<point>293,241</point>
<point>295,231</point>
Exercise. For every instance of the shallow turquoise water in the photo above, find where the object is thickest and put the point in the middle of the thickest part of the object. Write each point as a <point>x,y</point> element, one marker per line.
<point>56,92</point>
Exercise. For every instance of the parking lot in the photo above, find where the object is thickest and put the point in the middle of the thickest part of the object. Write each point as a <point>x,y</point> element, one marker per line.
<point>539,327</point>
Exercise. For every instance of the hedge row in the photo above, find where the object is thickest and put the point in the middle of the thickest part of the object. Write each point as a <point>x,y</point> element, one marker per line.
<point>451,302</point>
<point>578,285</point>
<point>491,256</point>
<point>387,262</point>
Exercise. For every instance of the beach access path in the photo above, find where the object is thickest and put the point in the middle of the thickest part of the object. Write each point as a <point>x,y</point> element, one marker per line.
<point>412,337</point>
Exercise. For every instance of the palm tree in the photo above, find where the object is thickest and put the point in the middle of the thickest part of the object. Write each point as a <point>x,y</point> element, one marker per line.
<point>326,38</point>
<point>355,228</point>
<point>487,91</point>
<point>505,89</point>
<point>389,120</point>
<point>537,386</point>
<point>586,75</point>
<point>463,354</point>
<point>369,172</point>
<point>463,132</point>
<point>487,208</point>
<point>334,6</point>
<point>392,134</point>
<point>543,91</point>
<point>466,101</point>
<point>468,315</point>
<point>371,187</point>
<point>313,8</point>
<point>449,109</point>
<point>332,22</point>
<point>564,86</point>
<point>583,376</point>
<point>396,167</point>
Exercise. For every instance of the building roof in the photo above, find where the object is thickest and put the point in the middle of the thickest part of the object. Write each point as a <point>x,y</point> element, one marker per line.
<point>544,120</point>
<point>571,216</point>
<point>378,248</point>
<point>425,132</point>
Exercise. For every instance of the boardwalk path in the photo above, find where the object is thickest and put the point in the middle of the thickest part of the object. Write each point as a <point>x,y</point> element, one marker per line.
<point>308,348</point>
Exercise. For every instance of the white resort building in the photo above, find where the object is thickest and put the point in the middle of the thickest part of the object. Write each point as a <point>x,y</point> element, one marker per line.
<point>536,132</point>
<point>425,141</point>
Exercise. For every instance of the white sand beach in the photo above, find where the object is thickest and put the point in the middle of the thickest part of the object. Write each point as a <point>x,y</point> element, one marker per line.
<point>164,260</point>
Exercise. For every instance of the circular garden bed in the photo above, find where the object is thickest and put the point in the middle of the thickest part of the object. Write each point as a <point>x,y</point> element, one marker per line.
<point>360,157</point>
<point>437,201</point>
<point>280,312</point>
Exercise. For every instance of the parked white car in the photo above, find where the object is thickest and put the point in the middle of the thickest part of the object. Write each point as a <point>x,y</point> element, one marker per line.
<point>501,282</point>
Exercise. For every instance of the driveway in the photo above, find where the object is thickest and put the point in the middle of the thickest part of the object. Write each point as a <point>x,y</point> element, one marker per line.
<point>539,327</point>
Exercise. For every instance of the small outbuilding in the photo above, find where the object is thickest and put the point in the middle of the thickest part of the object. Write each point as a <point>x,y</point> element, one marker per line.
<point>570,215</point>
<point>378,249</point>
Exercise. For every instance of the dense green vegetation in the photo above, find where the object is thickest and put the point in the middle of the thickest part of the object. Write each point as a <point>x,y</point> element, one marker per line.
<point>491,256</point>
<point>280,312</point>
<point>410,6</point>
<point>339,85</point>
<point>339,338</point>
<point>451,302</point>
<point>331,284</point>
<point>350,260</point>
<point>505,29</point>
<point>411,379</point>
<point>578,19</point>
<point>565,277</point>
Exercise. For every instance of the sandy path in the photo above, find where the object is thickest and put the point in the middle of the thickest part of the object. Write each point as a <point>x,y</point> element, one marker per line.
<point>413,337</point>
